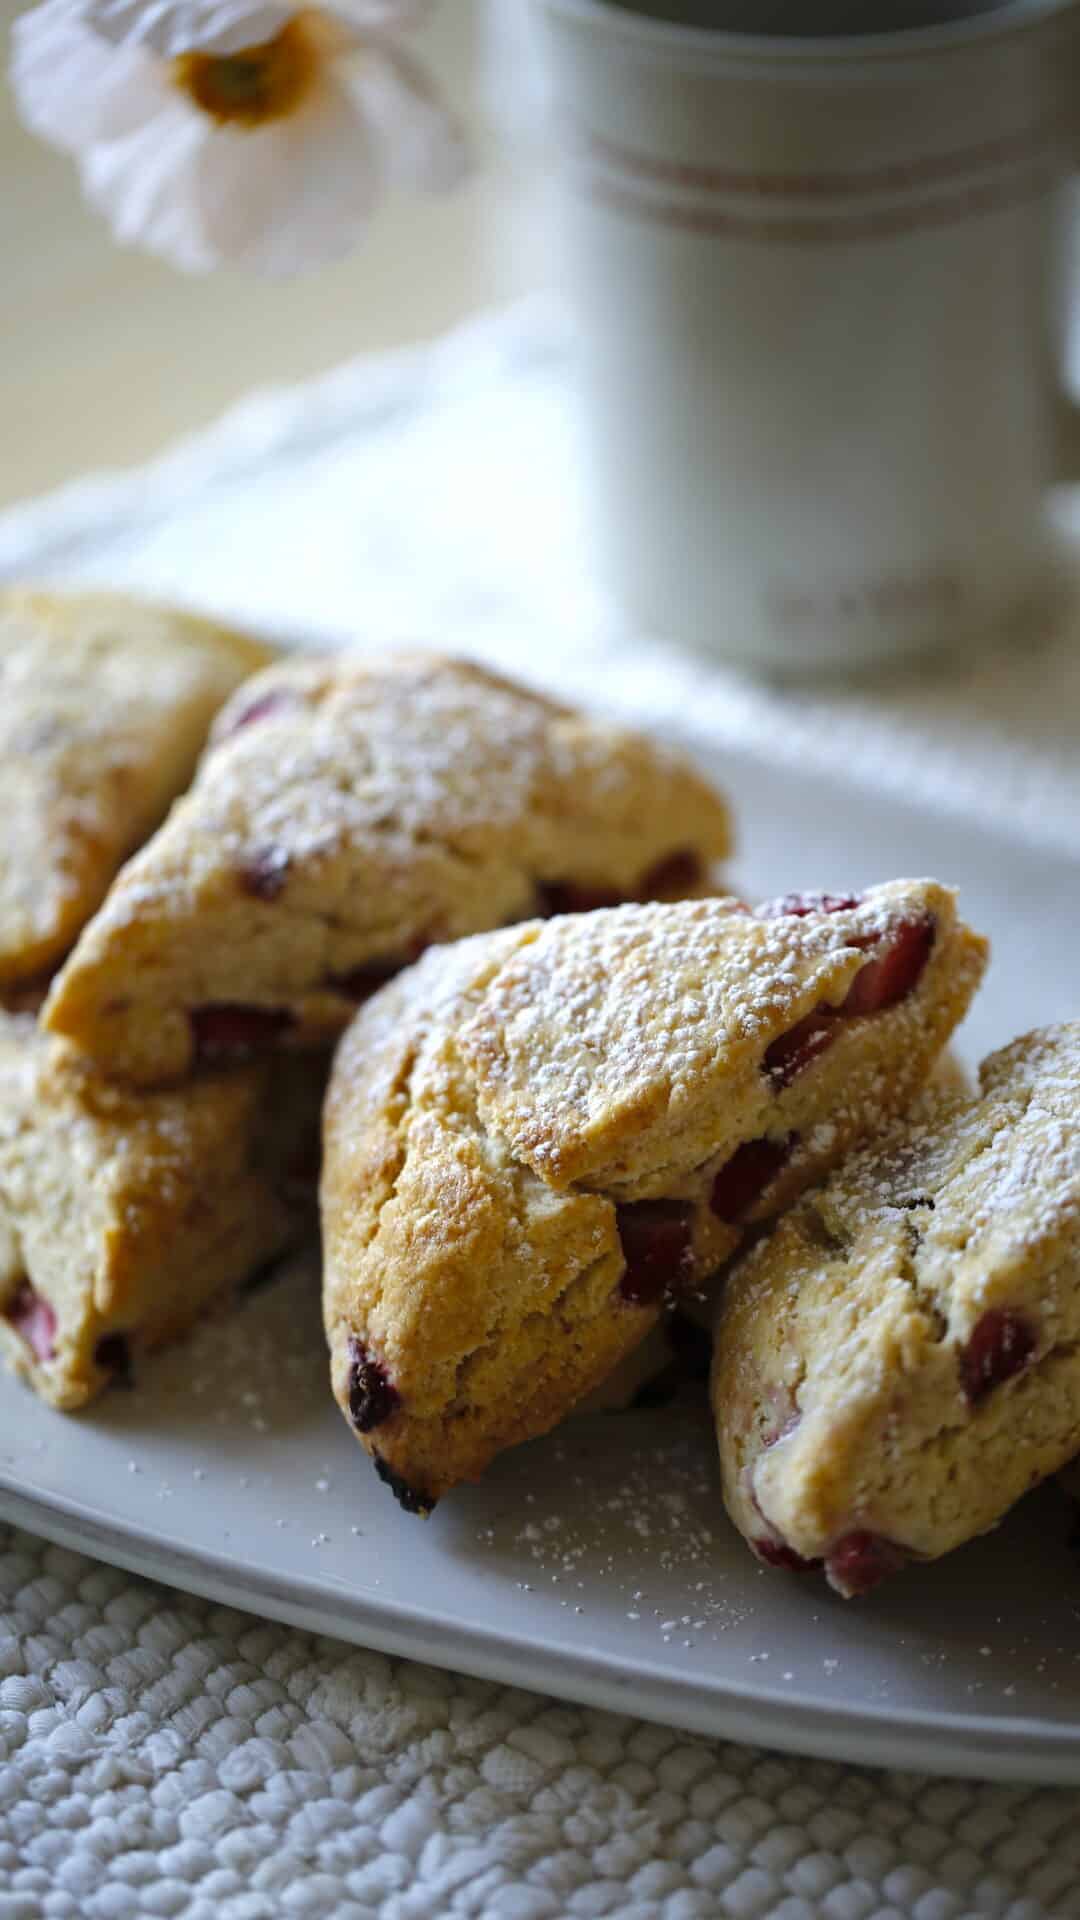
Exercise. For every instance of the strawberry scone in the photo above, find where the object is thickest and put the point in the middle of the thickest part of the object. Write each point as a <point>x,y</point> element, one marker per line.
<point>900,1360</point>
<point>533,1140</point>
<point>123,1216</point>
<point>349,813</point>
<point>105,704</point>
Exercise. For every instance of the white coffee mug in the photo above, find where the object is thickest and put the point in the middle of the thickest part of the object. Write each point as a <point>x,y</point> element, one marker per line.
<point>821,285</point>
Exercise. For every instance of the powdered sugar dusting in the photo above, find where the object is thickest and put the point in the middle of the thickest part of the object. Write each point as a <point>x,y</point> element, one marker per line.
<point>663,1015</point>
<point>926,1304</point>
<point>1006,1164</point>
<point>367,809</point>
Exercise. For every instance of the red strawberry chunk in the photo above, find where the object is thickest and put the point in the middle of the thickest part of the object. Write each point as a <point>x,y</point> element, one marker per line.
<point>259,709</point>
<point>34,1320</point>
<point>265,874</point>
<point>800,904</point>
<point>776,1554</point>
<point>895,969</point>
<point>1001,1345</point>
<point>227,1031</point>
<point>861,1560</point>
<point>372,1394</point>
<point>670,878</point>
<point>793,1052</point>
<point>657,1244</point>
<point>743,1179</point>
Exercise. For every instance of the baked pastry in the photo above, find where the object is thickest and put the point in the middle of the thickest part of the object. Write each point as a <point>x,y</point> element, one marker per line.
<point>533,1138</point>
<point>105,704</point>
<point>348,814</point>
<point>123,1216</point>
<point>900,1360</point>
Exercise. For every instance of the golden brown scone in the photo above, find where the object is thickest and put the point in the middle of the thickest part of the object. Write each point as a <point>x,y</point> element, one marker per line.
<point>900,1360</point>
<point>349,813</point>
<point>122,1216</point>
<point>105,703</point>
<point>534,1137</point>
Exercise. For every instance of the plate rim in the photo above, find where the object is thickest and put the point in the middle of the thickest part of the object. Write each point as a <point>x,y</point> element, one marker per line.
<point>988,1747</point>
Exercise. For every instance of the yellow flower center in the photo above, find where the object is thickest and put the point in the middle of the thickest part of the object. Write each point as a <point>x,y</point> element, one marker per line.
<point>256,84</point>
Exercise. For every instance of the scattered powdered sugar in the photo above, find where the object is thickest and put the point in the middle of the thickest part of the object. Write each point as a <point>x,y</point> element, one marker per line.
<point>634,1526</point>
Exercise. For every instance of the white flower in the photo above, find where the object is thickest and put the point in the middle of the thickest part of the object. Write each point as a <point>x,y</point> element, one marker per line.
<point>264,141</point>
<point>170,27</point>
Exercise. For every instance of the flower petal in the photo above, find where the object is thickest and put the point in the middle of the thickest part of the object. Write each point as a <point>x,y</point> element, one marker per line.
<point>294,196</point>
<point>148,186</point>
<point>382,16</point>
<point>169,27</point>
<point>418,143</point>
<point>72,88</point>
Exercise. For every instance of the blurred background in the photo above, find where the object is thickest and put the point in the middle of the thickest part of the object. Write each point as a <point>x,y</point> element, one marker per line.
<point>106,354</point>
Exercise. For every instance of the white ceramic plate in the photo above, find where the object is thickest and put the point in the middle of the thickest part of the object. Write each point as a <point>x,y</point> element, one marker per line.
<point>598,1564</point>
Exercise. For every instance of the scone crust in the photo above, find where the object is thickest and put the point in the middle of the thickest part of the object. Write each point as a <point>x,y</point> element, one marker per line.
<point>348,814</point>
<point>128,1214</point>
<point>898,1359</point>
<point>480,1147</point>
<point>105,703</point>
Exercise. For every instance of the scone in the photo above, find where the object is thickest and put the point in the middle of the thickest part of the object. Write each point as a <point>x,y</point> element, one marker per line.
<point>348,814</point>
<point>535,1137</point>
<point>900,1360</point>
<point>105,703</point>
<point>122,1216</point>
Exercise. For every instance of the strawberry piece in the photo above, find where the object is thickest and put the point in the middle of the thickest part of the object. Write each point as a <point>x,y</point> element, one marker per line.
<point>226,1031</point>
<point>797,905</point>
<point>672,877</point>
<point>34,1320</point>
<point>895,969</point>
<point>265,874</point>
<point>657,1246</point>
<point>743,1179</point>
<point>259,709</point>
<point>776,1554</point>
<point>372,1395</point>
<point>803,1043</point>
<point>1001,1345</point>
<point>861,1560</point>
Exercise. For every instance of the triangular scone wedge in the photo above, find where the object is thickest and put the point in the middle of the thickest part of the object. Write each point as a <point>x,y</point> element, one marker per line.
<point>123,1215</point>
<point>349,813</point>
<point>105,703</point>
<point>900,1360</point>
<point>533,1138</point>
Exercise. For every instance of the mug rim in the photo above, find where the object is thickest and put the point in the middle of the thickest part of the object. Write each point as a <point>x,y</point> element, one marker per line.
<point>670,36</point>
